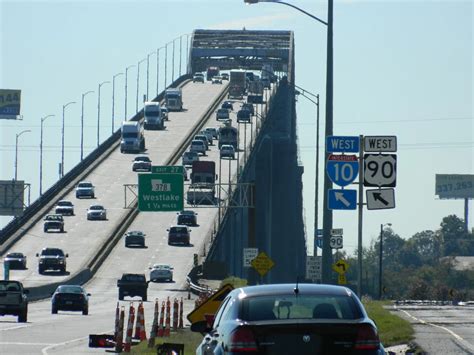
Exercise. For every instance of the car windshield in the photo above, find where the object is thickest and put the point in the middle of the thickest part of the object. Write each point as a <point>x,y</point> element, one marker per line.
<point>135,233</point>
<point>65,203</point>
<point>179,230</point>
<point>14,255</point>
<point>187,212</point>
<point>9,286</point>
<point>152,113</point>
<point>325,306</point>
<point>190,154</point>
<point>129,135</point>
<point>69,289</point>
<point>223,110</point>
<point>146,159</point>
<point>161,267</point>
<point>131,277</point>
<point>96,208</point>
<point>54,217</point>
<point>85,184</point>
<point>52,252</point>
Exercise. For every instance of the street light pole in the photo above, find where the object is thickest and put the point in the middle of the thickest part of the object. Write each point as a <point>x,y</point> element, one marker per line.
<point>113,100</point>
<point>381,258</point>
<point>180,52</point>
<point>148,73</point>
<point>62,138</point>
<point>172,63</point>
<point>82,122</point>
<point>16,151</point>
<point>187,53</point>
<point>41,156</point>
<point>138,83</point>
<point>126,89</point>
<point>98,111</point>
<point>166,62</point>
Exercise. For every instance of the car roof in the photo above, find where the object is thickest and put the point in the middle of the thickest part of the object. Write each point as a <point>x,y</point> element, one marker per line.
<point>196,141</point>
<point>179,226</point>
<point>134,232</point>
<point>161,265</point>
<point>286,289</point>
<point>96,206</point>
<point>14,255</point>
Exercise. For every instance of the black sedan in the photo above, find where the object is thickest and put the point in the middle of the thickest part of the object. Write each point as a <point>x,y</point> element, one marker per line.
<point>15,261</point>
<point>228,105</point>
<point>290,319</point>
<point>70,298</point>
<point>187,218</point>
<point>136,238</point>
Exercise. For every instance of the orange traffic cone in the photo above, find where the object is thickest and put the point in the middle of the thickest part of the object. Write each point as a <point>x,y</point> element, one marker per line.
<point>175,315</point>
<point>128,338</point>
<point>168,319</point>
<point>180,325</point>
<point>119,337</point>
<point>154,327</point>
<point>162,315</point>
<point>117,320</point>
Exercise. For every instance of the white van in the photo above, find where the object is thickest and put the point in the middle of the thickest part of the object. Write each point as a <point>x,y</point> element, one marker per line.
<point>153,116</point>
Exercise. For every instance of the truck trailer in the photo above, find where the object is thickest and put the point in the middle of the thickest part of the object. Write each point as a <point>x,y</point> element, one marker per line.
<point>237,84</point>
<point>133,137</point>
<point>174,99</point>
<point>153,116</point>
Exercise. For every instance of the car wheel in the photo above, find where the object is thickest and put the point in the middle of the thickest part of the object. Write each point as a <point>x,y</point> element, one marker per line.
<point>93,196</point>
<point>120,296</point>
<point>126,245</point>
<point>62,230</point>
<point>144,297</point>
<point>85,311</point>
<point>40,270</point>
<point>54,310</point>
<point>23,316</point>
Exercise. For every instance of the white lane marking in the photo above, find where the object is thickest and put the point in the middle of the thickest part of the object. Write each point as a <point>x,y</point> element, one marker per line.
<point>17,327</point>
<point>44,351</point>
<point>456,336</point>
<point>32,344</point>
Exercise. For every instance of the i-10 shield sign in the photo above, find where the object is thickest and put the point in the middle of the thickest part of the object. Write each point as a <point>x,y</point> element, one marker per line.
<point>342,169</point>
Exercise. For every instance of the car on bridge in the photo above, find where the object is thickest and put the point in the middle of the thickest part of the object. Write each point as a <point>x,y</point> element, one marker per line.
<point>132,285</point>
<point>136,238</point>
<point>203,138</point>
<point>228,105</point>
<point>165,112</point>
<point>189,157</point>
<point>225,76</point>
<point>51,259</point>
<point>13,300</point>
<point>290,319</point>
<point>96,212</point>
<point>70,298</point>
<point>198,146</point>
<point>243,116</point>
<point>53,221</point>
<point>64,207</point>
<point>216,79</point>
<point>209,135</point>
<point>248,106</point>
<point>161,272</point>
<point>187,218</point>
<point>212,131</point>
<point>179,234</point>
<point>227,151</point>
<point>141,163</point>
<point>198,78</point>
<point>15,261</point>
<point>222,114</point>
<point>85,188</point>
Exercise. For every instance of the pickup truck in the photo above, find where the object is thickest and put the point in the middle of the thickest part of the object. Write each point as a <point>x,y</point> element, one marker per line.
<point>132,285</point>
<point>13,300</point>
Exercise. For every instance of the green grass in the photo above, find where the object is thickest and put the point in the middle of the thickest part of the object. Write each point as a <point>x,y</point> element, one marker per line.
<point>393,330</point>
<point>190,340</point>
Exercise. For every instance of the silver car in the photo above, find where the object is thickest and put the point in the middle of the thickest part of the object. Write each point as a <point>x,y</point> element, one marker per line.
<point>189,157</point>
<point>96,212</point>
<point>198,146</point>
<point>161,272</point>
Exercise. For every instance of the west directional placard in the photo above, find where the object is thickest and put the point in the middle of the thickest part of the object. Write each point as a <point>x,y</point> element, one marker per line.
<point>342,199</point>
<point>160,192</point>
<point>380,143</point>
<point>342,169</point>
<point>342,144</point>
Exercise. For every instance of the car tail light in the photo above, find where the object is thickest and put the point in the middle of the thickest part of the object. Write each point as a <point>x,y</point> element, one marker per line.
<point>367,338</point>
<point>242,340</point>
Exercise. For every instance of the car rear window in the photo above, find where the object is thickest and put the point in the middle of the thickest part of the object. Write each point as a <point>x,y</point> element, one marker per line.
<point>9,286</point>
<point>178,230</point>
<point>51,252</point>
<point>69,289</point>
<point>301,307</point>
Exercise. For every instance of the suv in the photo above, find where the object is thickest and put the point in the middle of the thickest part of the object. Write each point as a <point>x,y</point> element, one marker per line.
<point>13,300</point>
<point>248,106</point>
<point>187,218</point>
<point>165,113</point>
<point>222,114</point>
<point>53,221</point>
<point>132,285</point>
<point>198,146</point>
<point>65,208</point>
<point>243,115</point>
<point>228,151</point>
<point>209,135</point>
<point>179,234</point>
<point>228,105</point>
<point>202,137</point>
<point>15,261</point>
<point>51,259</point>
<point>189,158</point>
<point>142,163</point>
<point>198,77</point>
<point>85,188</point>
<point>212,131</point>
<point>135,238</point>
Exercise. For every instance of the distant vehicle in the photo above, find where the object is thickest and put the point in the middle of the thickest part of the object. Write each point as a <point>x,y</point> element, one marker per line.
<point>227,151</point>
<point>70,298</point>
<point>198,146</point>
<point>243,116</point>
<point>65,207</point>
<point>96,212</point>
<point>189,157</point>
<point>248,106</point>
<point>212,131</point>
<point>228,135</point>
<point>202,188</point>
<point>228,105</point>
<point>179,234</point>
<point>268,73</point>
<point>85,188</point>
<point>266,83</point>
<point>212,72</point>
<point>250,76</point>
<point>53,221</point>
<point>132,285</point>
<point>290,319</point>
<point>217,79</point>
<point>202,137</point>
<point>174,99</point>
<point>51,259</point>
<point>13,300</point>
<point>15,261</point>
<point>153,116</point>
<point>209,135</point>
<point>198,78</point>
<point>187,218</point>
<point>237,84</point>
<point>222,114</point>
<point>161,272</point>
<point>135,238</point>
<point>165,113</point>
<point>225,76</point>
<point>255,92</point>
<point>133,137</point>
<point>141,163</point>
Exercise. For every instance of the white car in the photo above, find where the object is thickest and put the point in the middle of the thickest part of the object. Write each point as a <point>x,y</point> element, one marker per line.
<point>65,207</point>
<point>85,188</point>
<point>198,146</point>
<point>141,163</point>
<point>189,158</point>
<point>96,212</point>
<point>227,151</point>
<point>161,272</point>
<point>222,114</point>
<point>216,79</point>
<point>213,131</point>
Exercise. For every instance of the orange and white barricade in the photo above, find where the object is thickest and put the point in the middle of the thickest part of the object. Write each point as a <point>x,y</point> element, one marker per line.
<point>154,327</point>
<point>119,337</point>
<point>117,321</point>
<point>140,333</point>
<point>161,326</point>
<point>175,315</point>
<point>128,339</point>
<point>181,325</point>
<point>167,331</point>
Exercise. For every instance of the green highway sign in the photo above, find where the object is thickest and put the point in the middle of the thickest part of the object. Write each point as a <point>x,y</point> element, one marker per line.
<point>160,192</point>
<point>168,169</point>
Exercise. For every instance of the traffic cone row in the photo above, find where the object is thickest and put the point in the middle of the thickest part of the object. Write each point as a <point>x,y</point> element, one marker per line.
<point>140,333</point>
<point>117,321</point>
<point>119,336</point>
<point>154,327</point>
<point>175,315</point>
<point>180,325</point>
<point>168,318</point>
<point>128,338</point>
<point>162,315</point>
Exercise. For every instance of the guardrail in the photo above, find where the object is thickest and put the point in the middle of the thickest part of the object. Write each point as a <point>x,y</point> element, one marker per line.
<point>94,263</point>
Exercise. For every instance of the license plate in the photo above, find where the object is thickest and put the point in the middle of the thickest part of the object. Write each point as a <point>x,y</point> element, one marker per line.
<point>68,302</point>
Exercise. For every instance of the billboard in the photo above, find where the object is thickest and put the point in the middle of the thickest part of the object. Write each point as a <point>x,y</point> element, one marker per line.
<point>10,104</point>
<point>457,186</point>
<point>11,197</point>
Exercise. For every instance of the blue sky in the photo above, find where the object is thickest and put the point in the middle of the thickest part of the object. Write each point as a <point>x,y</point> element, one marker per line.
<point>402,68</point>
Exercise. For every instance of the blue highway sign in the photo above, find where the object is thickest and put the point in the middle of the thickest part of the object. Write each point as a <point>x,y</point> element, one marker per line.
<point>342,144</point>
<point>342,199</point>
<point>342,169</point>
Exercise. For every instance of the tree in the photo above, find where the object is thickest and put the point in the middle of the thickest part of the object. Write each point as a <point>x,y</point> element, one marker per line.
<point>456,240</point>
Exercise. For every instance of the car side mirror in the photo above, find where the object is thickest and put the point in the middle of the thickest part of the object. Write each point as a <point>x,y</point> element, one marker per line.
<point>88,294</point>
<point>37,254</point>
<point>67,255</point>
<point>167,230</point>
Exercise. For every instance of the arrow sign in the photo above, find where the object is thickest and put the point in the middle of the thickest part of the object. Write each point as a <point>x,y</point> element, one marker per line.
<point>342,169</point>
<point>342,199</point>
<point>380,199</point>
